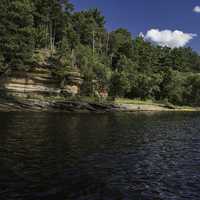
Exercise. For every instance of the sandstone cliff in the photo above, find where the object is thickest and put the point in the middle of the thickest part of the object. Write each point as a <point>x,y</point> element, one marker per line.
<point>39,82</point>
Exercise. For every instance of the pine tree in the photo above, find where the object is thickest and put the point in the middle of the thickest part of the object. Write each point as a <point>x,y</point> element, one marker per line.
<point>16,26</point>
<point>50,21</point>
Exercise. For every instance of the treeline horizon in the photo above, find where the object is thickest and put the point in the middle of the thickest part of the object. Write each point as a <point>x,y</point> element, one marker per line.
<point>125,66</point>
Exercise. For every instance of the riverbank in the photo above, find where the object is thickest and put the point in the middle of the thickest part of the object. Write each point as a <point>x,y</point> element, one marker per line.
<point>41,90</point>
<point>149,105</point>
<point>64,105</point>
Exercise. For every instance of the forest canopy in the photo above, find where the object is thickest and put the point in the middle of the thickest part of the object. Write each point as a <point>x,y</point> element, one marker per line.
<point>125,65</point>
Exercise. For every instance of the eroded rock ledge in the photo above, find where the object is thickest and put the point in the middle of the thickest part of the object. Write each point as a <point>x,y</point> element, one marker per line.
<point>55,106</point>
<point>9,105</point>
<point>40,82</point>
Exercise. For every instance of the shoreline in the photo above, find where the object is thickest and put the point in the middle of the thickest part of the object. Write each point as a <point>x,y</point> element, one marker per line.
<point>75,106</point>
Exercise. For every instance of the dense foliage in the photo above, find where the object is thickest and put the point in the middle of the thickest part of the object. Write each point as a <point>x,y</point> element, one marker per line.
<point>113,61</point>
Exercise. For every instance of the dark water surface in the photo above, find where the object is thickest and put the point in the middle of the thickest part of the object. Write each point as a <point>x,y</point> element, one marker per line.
<point>99,156</point>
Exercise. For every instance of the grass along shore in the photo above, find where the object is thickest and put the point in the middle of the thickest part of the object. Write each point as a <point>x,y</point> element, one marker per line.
<point>149,105</point>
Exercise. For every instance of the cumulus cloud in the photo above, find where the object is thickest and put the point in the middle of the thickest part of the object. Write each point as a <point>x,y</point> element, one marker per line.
<point>168,38</point>
<point>196,9</point>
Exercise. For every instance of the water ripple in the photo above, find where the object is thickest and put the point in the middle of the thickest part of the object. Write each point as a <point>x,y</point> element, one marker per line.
<point>138,156</point>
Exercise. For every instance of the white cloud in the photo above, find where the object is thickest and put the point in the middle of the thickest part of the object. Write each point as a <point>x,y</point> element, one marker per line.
<point>196,9</point>
<point>169,38</point>
<point>141,35</point>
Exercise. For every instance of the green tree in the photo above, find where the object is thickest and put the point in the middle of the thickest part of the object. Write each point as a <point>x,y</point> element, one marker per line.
<point>145,55</point>
<point>50,21</point>
<point>16,26</point>
<point>172,86</point>
<point>121,42</point>
<point>146,86</point>
<point>89,25</point>
<point>192,90</point>
<point>119,84</point>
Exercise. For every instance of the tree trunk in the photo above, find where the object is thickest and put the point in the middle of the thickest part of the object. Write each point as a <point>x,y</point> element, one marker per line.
<point>73,59</point>
<point>107,43</point>
<point>93,42</point>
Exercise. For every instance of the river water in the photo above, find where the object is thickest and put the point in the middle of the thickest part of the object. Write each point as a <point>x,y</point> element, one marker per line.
<point>138,156</point>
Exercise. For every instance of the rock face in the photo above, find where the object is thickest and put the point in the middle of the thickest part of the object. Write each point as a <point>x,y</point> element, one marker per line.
<point>71,89</point>
<point>39,82</point>
<point>55,106</point>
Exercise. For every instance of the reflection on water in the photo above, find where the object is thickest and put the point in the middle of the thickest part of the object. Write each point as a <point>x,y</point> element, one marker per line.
<point>99,156</point>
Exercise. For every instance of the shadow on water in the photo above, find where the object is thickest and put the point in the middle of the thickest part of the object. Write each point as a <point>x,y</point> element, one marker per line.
<point>99,156</point>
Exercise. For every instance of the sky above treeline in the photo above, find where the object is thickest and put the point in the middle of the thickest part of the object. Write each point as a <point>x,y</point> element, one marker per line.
<point>173,23</point>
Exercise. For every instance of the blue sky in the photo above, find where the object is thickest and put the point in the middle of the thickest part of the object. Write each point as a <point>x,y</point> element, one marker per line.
<point>143,15</point>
